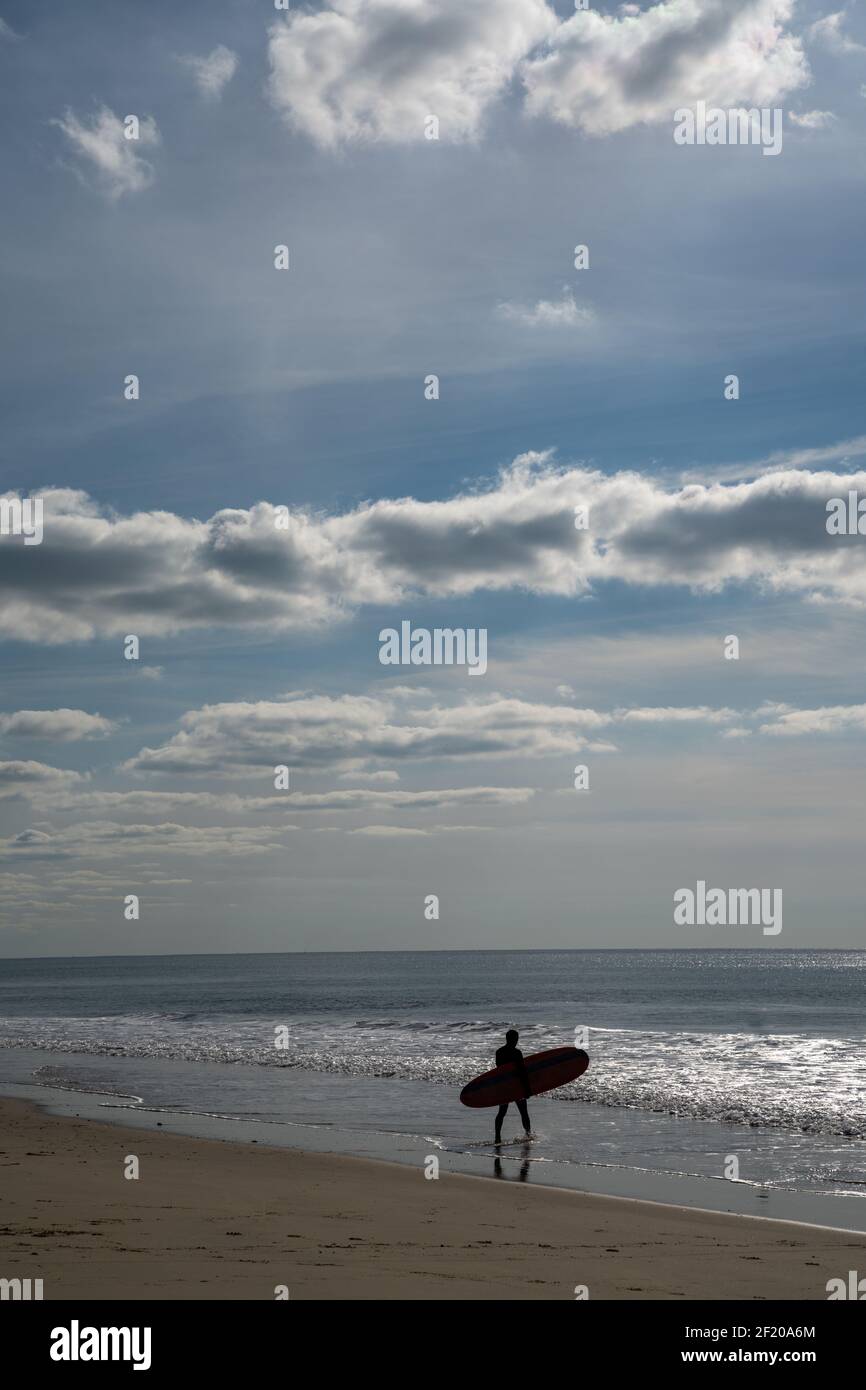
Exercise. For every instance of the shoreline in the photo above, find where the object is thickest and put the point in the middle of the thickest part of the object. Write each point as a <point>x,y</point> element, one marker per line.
<point>222,1219</point>
<point>313,1120</point>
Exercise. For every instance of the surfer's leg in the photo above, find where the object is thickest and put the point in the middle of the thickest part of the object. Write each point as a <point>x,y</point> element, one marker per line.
<point>500,1116</point>
<point>524,1115</point>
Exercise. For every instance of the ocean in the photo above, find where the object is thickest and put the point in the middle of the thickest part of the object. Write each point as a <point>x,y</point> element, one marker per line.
<point>704,1065</point>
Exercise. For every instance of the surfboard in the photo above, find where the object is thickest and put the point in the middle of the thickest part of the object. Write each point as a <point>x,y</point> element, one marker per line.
<point>546,1071</point>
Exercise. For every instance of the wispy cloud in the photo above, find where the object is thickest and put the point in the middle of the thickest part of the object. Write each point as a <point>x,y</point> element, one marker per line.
<point>102,146</point>
<point>213,72</point>
<point>812,120</point>
<point>564,312</point>
<point>828,32</point>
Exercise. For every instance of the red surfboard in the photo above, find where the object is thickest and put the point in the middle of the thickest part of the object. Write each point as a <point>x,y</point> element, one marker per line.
<point>546,1071</point>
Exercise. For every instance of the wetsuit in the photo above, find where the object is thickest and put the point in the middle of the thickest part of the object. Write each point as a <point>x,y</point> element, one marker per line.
<point>513,1054</point>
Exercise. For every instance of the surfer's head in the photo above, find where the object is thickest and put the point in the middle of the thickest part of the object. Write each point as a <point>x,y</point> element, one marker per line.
<point>511,1036</point>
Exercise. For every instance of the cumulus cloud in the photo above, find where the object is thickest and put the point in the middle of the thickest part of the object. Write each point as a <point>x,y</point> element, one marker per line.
<point>23,776</point>
<point>604,73</point>
<point>97,573</point>
<point>376,69</point>
<point>323,731</point>
<point>557,313</point>
<point>830,719</point>
<point>213,72</point>
<point>102,146</point>
<point>62,725</point>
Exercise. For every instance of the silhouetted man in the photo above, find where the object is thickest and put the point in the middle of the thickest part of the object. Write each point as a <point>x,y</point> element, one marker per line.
<point>511,1053</point>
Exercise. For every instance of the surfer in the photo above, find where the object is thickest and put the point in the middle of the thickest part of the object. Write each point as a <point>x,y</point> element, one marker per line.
<point>511,1053</point>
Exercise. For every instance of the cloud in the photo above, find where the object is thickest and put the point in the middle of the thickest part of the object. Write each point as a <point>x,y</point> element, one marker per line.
<point>603,74</point>
<point>388,831</point>
<point>830,719</point>
<point>18,777</point>
<point>6,32</point>
<point>673,715</point>
<point>104,148</point>
<point>323,731</point>
<point>374,70</point>
<point>559,313</point>
<point>62,725</point>
<point>812,120</point>
<point>286,803</point>
<point>781,460</point>
<point>828,33</point>
<point>154,573</point>
<point>104,839</point>
<point>385,775</point>
<point>213,72</point>
<point>318,732</point>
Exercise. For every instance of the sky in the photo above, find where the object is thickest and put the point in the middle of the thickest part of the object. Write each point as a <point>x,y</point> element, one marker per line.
<point>287,484</point>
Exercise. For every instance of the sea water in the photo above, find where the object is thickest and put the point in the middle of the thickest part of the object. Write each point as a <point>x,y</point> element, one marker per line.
<point>697,1058</point>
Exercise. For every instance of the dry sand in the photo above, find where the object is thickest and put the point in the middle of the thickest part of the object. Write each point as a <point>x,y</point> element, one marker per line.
<point>208,1219</point>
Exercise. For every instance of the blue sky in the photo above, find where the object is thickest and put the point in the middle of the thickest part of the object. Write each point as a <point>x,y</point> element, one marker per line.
<point>304,389</point>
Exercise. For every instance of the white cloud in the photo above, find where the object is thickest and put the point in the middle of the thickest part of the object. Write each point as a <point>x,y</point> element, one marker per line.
<point>63,725</point>
<point>845,451</point>
<point>603,73</point>
<point>376,69</point>
<point>828,33</point>
<point>394,832</point>
<point>830,719</point>
<point>282,804</point>
<point>812,120</point>
<point>557,313</point>
<point>23,776</point>
<point>213,72</point>
<point>106,840</point>
<point>154,572</point>
<point>385,775</point>
<point>104,148</point>
<point>323,731</point>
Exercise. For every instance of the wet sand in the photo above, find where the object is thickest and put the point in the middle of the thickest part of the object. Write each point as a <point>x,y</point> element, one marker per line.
<point>213,1220</point>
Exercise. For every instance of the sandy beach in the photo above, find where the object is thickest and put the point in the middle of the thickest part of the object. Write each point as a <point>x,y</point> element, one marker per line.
<point>213,1220</point>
